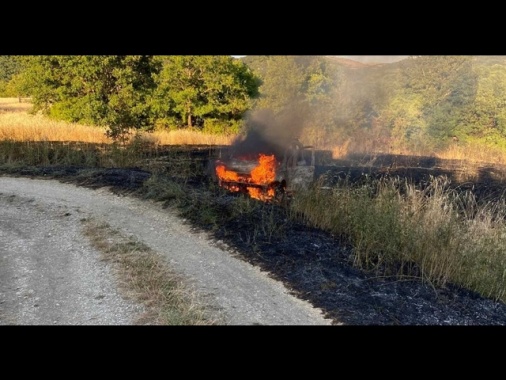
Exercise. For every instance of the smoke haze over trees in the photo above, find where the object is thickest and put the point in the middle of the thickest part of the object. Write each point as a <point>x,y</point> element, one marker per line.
<point>420,103</point>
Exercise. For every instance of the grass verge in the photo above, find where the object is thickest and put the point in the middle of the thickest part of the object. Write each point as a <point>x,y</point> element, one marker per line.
<point>144,277</point>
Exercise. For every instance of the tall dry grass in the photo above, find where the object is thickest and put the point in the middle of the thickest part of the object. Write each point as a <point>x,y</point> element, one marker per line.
<point>14,105</point>
<point>400,230</point>
<point>17,124</point>
<point>184,137</point>
<point>474,153</point>
<point>467,153</point>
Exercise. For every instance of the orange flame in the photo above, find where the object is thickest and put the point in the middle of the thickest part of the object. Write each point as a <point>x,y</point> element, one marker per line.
<point>263,174</point>
<point>226,175</point>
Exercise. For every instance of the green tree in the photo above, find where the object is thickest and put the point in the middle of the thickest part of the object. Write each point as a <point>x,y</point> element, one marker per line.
<point>485,118</point>
<point>203,92</point>
<point>282,82</point>
<point>10,67</point>
<point>101,90</point>
<point>428,106</point>
<point>299,92</point>
<point>435,76</point>
<point>320,90</point>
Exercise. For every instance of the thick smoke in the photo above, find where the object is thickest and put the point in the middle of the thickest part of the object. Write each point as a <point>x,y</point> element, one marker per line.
<point>270,133</point>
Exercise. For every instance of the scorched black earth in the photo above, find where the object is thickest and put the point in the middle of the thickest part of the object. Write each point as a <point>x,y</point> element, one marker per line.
<point>318,268</point>
<point>315,265</point>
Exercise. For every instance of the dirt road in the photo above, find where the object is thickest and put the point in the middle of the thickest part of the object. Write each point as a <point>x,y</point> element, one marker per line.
<point>50,274</point>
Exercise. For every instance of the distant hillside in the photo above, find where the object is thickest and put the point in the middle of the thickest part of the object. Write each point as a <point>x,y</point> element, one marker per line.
<point>381,59</point>
<point>346,62</point>
<point>373,59</point>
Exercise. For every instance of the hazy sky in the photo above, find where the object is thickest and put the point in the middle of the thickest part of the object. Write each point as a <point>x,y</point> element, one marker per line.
<point>365,58</point>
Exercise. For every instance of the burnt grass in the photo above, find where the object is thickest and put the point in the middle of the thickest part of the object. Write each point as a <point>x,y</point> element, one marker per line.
<point>313,264</point>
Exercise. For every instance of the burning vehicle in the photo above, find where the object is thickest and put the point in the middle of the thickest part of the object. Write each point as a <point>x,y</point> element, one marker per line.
<point>272,176</point>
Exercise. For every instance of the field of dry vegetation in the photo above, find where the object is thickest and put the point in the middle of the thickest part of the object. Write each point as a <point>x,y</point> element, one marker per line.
<point>17,124</point>
<point>433,233</point>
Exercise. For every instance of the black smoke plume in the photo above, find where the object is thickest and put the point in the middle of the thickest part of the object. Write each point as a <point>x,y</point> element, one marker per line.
<point>269,133</point>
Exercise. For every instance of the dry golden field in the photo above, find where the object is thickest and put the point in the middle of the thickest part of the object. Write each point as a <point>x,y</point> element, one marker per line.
<point>18,124</point>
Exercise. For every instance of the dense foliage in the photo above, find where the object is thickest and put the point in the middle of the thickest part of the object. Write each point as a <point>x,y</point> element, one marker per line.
<point>422,103</point>
<point>102,90</point>
<point>141,92</point>
<point>10,67</point>
<point>208,92</point>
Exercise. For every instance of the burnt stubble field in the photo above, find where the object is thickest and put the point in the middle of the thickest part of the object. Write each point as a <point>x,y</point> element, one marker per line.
<point>319,267</point>
<point>313,264</point>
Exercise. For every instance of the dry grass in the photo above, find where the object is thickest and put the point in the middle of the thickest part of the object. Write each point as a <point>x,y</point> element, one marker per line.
<point>144,277</point>
<point>466,153</point>
<point>185,137</point>
<point>396,229</point>
<point>340,151</point>
<point>17,124</point>
<point>14,105</point>
<point>474,153</point>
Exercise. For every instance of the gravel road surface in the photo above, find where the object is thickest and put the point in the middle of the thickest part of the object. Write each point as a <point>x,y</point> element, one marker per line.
<point>51,275</point>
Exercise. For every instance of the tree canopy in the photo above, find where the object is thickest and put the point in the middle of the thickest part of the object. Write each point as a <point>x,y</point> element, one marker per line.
<point>298,90</point>
<point>140,92</point>
<point>9,66</point>
<point>100,90</point>
<point>201,91</point>
<point>421,102</point>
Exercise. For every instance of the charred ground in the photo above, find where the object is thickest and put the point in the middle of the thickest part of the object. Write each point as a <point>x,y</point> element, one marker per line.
<point>315,265</point>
